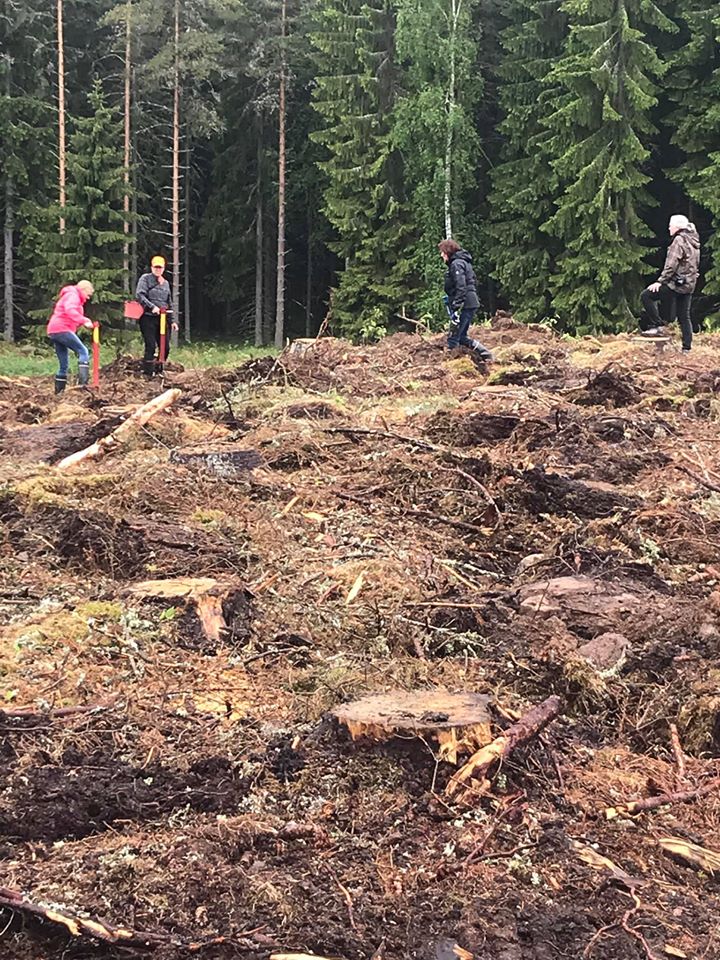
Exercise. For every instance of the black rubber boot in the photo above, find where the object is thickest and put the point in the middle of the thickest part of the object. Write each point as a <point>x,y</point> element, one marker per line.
<point>148,369</point>
<point>83,374</point>
<point>482,352</point>
<point>60,384</point>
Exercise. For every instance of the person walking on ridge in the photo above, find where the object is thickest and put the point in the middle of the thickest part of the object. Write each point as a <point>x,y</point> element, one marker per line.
<point>461,297</point>
<point>674,288</point>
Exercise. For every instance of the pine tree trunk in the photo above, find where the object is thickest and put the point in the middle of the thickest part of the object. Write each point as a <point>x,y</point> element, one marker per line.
<point>280,275</point>
<point>61,111</point>
<point>8,231</point>
<point>126,158</point>
<point>176,179</point>
<point>259,332</point>
<point>309,276</point>
<point>186,251</point>
<point>268,277</point>
<point>450,109</point>
<point>133,199</point>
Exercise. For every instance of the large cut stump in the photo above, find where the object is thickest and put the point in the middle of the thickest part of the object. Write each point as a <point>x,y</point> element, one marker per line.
<point>208,611</point>
<point>459,722</point>
<point>228,463</point>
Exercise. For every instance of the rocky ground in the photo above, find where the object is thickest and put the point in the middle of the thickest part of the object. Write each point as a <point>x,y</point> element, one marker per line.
<point>346,521</point>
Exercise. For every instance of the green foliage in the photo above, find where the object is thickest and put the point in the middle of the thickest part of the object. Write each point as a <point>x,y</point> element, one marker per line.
<point>90,247</point>
<point>694,85</point>
<point>355,93</point>
<point>525,186</point>
<point>440,93</point>
<point>600,138</point>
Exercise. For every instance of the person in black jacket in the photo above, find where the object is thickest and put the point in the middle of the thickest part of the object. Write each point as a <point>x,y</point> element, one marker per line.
<point>153,292</point>
<point>461,297</point>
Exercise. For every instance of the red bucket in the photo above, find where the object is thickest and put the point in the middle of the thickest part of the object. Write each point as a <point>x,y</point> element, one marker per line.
<point>133,310</point>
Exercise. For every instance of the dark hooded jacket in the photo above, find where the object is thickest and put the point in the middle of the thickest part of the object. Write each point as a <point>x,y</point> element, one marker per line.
<point>682,263</point>
<point>460,282</point>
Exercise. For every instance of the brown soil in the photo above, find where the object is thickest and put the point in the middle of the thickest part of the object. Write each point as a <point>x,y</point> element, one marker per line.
<point>396,518</point>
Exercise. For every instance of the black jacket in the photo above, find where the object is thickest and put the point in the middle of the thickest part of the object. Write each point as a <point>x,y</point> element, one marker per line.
<point>460,282</point>
<point>151,294</point>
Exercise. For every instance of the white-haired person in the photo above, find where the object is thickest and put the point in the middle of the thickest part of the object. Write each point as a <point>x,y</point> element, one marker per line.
<point>67,317</point>
<point>670,296</point>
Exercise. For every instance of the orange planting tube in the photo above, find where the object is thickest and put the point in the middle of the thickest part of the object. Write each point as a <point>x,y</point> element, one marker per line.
<point>96,354</point>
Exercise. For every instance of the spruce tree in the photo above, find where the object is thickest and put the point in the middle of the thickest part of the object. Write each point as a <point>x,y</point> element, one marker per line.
<point>600,138</point>
<point>26,156</point>
<point>355,94</point>
<point>694,84</point>
<point>91,246</point>
<point>524,183</point>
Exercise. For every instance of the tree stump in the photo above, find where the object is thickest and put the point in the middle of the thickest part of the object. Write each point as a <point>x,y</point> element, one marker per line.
<point>301,346</point>
<point>459,722</point>
<point>206,606</point>
<point>228,463</point>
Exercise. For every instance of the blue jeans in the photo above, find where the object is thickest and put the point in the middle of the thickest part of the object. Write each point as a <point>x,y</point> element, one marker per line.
<point>68,341</point>
<point>458,331</point>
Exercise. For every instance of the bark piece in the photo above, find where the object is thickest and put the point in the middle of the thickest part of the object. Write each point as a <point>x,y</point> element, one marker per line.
<point>520,733</point>
<point>606,653</point>
<point>699,857</point>
<point>141,416</point>
<point>228,463</point>
<point>577,597</point>
<point>459,722</point>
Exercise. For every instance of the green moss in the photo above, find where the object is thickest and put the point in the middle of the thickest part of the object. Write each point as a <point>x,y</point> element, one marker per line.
<point>100,610</point>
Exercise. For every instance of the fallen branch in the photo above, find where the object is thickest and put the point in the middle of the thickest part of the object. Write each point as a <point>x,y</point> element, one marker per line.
<point>678,751</point>
<point>100,930</point>
<point>701,480</point>
<point>520,733</point>
<point>388,435</point>
<point>662,800</point>
<point>114,439</point>
<point>79,926</point>
<point>51,712</point>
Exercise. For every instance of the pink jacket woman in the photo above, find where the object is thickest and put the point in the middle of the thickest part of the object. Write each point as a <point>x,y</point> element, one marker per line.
<point>67,318</point>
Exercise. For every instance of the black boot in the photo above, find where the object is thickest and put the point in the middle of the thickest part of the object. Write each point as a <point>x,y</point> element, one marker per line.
<point>60,384</point>
<point>148,368</point>
<point>83,374</point>
<point>482,352</point>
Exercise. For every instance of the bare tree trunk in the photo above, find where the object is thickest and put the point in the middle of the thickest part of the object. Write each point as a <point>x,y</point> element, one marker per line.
<point>133,199</point>
<point>455,6</point>
<point>186,251</point>
<point>8,236</point>
<point>309,276</point>
<point>259,332</point>
<point>280,297</point>
<point>8,233</point>
<point>126,155</point>
<point>268,278</point>
<point>176,178</point>
<point>61,111</point>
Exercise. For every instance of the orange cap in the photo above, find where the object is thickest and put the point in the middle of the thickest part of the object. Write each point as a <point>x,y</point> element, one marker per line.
<point>157,262</point>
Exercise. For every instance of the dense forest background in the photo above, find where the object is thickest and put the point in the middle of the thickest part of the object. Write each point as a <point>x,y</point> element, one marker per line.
<point>299,158</point>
